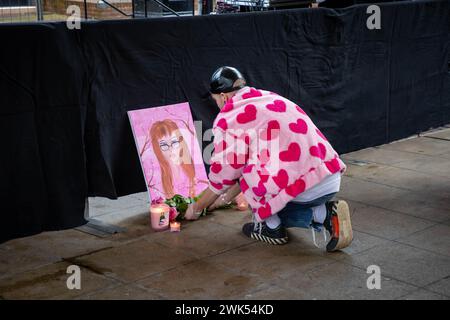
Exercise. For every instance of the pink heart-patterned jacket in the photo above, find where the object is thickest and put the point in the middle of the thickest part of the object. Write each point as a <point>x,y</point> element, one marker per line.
<point>271,147</point>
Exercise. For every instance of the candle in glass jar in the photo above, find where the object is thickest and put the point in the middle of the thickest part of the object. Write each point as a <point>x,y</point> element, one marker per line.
<point>159,216</point>
<point>241,202</point>
<point>175,226</point>
<point>243,206</point>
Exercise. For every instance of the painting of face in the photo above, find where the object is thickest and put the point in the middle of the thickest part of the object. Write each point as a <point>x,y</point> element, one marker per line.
<point>170,146</point>
<point>169,152</point>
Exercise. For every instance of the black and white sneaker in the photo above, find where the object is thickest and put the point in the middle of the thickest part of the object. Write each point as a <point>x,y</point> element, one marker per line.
<point>338,224</point>
<point>261,232</point>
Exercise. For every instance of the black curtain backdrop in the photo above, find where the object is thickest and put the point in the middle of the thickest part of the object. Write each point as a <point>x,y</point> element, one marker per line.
<point>64,93</point>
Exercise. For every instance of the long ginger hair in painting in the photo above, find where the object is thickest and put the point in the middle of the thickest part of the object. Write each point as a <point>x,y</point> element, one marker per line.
<point>167,128</point>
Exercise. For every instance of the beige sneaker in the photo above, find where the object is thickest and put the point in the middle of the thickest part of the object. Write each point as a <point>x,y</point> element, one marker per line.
<point>339,225</point>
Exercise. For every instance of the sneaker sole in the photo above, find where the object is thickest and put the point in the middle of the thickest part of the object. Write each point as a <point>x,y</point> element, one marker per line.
<point>345,226</point>
<point>274,241</point>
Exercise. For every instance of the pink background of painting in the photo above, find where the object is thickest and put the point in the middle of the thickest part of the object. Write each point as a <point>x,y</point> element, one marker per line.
<point>142,120</point>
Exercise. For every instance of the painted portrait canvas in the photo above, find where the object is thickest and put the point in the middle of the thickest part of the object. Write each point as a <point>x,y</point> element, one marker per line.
<point>169,152</point>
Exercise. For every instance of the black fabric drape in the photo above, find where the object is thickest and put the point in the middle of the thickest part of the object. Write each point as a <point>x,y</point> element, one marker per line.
<point>65,93</point>
<point>42,164</point>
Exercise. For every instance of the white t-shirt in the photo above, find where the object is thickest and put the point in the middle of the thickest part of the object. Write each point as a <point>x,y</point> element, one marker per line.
<point>330,184</point>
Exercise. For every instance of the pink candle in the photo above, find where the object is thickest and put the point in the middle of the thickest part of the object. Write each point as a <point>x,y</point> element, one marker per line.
<point>159,216</point>
<point>175,226</point>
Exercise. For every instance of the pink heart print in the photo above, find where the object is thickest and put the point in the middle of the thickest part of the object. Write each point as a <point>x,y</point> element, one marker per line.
<point>216,167</point>
<point>222,123</point>
<point>252,94</point>
<point>281,179</point>
<point>319,151</point>
<point>228,106</point>
<point>218,186</point>
<point>277,106</point>
<point>273,129</point>
<point>265,211</point>
<point>248,115</point>
<point>333,165</point>
<point>299,127</point>
<point>291,154</point>
<point>260,190</point>
<point>248,169</point>
<point>229,182</point>
<point>244,185</point>
<point>296,188</point>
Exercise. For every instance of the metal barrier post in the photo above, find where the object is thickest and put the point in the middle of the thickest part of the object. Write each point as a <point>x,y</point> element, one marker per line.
<point>39,10</point>
<point>85,10</point>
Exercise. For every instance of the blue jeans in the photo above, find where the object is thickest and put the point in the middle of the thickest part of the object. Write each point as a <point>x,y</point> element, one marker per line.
<point>300,214</point>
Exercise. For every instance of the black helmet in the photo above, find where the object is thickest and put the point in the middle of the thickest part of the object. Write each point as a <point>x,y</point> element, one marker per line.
<point>223,79</point>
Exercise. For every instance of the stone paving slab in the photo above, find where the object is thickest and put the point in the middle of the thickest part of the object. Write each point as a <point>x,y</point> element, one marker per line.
<point>29,253</point>
<point>16,262</point>
<point>203,279</point>
<point>343,281</point>
<point>395,225</point>
<point>432,207</point>
<point>435,239</point>
<point>270,262</point>
<point>405,263</point>
<point>49,282</point>
<point>421,145</point>
<point>441,286</point>
<point>421,294</point>
<point>441,134</point>
<point>134,260</point>
<point>122,292</point>
<point>379,155</point>
<point>202,238</point>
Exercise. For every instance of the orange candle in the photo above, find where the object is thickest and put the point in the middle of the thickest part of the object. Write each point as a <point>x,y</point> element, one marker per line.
<point>241,202</point>
<point>242,206</point>
<point>175,226</point>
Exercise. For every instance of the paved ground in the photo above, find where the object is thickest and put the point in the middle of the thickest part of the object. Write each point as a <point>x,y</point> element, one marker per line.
<point>400,200</point>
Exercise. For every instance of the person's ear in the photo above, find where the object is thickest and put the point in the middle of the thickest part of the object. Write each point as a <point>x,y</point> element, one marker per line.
<point>224,97</point>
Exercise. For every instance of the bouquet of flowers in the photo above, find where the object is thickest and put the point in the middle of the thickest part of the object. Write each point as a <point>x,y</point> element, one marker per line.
<point>178,206</point>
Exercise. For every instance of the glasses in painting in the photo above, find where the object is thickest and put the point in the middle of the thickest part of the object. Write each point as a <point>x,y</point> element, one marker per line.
<point>174,144</point>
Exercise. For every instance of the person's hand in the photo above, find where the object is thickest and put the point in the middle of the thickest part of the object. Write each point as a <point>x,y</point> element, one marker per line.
<point>191,212</point>
<point>216,204</point>
<point>220,202</point>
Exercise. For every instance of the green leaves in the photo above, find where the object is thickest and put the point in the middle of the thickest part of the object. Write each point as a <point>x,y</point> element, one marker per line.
<point>181,204</point>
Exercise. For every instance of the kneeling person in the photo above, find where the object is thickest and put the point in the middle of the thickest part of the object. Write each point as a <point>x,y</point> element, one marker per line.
<point>292,187</point>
